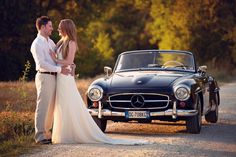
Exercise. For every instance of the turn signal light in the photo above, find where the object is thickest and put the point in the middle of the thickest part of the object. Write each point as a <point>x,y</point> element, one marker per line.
<point>182,104</point>
<point>95,104</point>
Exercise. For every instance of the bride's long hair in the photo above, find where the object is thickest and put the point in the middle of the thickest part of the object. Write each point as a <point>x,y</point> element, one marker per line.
<point>67,26</point>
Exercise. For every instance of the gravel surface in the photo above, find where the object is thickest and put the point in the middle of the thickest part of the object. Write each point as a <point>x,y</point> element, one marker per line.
<point>169,139</point>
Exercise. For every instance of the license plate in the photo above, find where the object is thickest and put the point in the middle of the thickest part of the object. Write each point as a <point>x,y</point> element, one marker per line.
<point>137,114</point>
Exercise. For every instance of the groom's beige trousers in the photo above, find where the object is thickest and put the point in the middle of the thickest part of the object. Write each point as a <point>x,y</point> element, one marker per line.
<point>46,89</point>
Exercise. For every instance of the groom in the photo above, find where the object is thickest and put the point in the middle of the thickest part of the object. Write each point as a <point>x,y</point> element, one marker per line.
<point>45,79</point>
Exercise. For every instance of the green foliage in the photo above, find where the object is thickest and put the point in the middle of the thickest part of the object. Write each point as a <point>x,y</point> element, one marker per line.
<point>210,28</point>
<point>107,28</point>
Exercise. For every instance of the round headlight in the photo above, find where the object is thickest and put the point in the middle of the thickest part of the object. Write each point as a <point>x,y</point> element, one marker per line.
<point>95,93</point>
<point>182,92</point>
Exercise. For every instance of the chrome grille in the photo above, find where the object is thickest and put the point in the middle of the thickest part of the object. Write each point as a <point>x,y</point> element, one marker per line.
<point>138,101</point>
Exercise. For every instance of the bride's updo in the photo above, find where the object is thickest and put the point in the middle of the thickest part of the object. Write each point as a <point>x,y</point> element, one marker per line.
<point>68,28</point>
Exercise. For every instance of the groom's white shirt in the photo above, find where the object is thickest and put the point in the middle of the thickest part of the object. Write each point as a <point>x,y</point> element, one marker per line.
<point>40,50</point>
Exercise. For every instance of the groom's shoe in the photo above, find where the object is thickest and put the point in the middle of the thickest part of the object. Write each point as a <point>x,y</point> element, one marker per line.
<point>45,141</point>
<point>50,140</point>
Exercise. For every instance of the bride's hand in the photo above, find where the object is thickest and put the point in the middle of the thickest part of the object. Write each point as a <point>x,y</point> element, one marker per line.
<point>53,55</point>
<point>73,66</point>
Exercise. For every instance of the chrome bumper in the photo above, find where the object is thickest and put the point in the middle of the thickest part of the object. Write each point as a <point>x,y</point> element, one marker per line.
<point>170,112</point>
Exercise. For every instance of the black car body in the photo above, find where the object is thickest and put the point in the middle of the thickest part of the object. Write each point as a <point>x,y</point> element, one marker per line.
<point>148,85</point>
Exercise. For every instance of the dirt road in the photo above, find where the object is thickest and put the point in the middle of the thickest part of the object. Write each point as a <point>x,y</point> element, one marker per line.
<point>169,139</point>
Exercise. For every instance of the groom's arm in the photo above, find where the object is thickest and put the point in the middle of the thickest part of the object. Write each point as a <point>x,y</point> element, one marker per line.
<point>37,52</point>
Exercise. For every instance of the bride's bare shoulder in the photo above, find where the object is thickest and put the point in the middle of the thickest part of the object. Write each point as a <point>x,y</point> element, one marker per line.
<point>72,44</point>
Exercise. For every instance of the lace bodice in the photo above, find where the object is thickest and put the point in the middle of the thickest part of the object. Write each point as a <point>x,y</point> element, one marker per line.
<point>60,57</point>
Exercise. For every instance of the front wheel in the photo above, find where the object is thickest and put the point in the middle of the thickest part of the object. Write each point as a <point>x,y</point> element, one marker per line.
<point>194,124</point>
<point>101,123</point>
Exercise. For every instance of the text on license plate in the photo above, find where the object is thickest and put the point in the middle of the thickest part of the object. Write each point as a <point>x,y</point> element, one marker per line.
<point>137,114</point>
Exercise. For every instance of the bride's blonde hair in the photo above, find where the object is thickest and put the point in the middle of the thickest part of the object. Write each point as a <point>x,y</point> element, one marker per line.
<point>67,26</point>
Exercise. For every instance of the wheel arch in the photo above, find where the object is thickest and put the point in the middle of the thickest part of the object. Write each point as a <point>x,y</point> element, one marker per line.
<point>202,101</point>
<point>218,95</point>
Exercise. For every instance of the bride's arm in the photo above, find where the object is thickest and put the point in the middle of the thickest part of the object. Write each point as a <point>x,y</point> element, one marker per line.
<point>70,57</point>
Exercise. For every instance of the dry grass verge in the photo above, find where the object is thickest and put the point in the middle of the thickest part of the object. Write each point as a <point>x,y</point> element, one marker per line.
<point>17,105</point>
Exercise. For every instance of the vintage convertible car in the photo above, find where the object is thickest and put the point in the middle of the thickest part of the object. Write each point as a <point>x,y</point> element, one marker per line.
<point>148,85</point>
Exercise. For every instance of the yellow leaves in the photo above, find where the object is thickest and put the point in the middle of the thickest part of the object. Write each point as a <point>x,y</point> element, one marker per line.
<point>141,4</point>
<point>103,44</point>
<point>169,28</point>
<point>167,41</point>
<point>94,28</point>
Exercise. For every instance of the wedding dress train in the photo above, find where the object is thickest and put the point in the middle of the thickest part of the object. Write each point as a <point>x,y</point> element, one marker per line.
<point>72,121</point>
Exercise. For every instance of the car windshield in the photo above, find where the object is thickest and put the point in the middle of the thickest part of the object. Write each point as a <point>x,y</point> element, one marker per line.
<point>156,60</point>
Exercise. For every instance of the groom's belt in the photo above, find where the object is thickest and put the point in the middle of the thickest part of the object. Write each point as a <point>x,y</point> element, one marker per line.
<point>50,73</point>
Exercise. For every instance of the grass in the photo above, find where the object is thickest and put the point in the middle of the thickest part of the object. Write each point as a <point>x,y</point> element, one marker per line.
<point>18,145</point>
<point>17,106</point>
<point>16,132</point>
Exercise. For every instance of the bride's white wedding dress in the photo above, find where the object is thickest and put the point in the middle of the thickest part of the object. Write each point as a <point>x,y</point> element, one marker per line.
<point>72,121</point>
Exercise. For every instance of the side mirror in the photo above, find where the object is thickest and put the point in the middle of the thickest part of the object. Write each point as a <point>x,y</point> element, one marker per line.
<point>202,69</point>
<point>107,71</point>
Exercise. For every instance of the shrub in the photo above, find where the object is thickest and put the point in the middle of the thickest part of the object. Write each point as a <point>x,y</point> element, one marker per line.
<point>15,124</point>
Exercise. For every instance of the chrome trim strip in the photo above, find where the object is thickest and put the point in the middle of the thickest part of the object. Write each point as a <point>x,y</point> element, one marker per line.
<point>174,114</point>
<point>157,101</point>
<point>99,109</point>
<point>118,101</point>
<point>168,100</point>
<point>169,112</point>
<point>144,101</point>
<point>197,91</point>
<point>140,94</point>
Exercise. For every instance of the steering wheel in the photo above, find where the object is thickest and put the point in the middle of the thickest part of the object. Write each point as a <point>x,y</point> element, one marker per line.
<point>173,64</point>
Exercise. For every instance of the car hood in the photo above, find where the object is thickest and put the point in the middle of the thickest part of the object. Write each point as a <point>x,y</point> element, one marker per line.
<point>144,79</point>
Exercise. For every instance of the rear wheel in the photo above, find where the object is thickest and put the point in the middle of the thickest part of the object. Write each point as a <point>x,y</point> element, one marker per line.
<point>212,116</point>
<point>102,123</point>
<point>194,124</point>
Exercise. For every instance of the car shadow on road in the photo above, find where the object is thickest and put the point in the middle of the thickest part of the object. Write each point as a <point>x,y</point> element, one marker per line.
<point>218,132</point>
<point>145,129</point>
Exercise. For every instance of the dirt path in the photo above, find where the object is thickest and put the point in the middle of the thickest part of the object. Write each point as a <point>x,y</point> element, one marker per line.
<point>169,140</point>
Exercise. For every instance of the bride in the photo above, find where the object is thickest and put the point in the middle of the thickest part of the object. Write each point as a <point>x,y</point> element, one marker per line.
<point>72,121</point>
